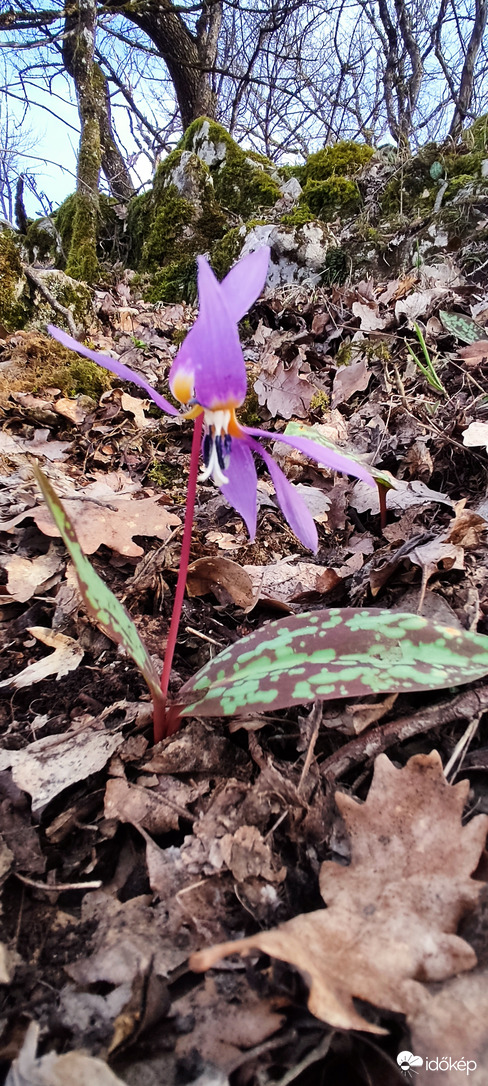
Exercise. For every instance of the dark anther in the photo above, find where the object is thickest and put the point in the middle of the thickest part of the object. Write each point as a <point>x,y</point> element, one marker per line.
<point>227,444</point>
<point>207,449</point>
<point>220,454</point>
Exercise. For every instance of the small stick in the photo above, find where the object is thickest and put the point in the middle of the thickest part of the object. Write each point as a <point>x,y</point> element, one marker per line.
<point>53,302</point>
<point>367,746</point>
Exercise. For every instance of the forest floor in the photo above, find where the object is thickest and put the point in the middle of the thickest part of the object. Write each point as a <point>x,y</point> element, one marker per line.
<point>119,860</point>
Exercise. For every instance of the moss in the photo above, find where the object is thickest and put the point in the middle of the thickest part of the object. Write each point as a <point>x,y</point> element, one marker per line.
<point>476,137</point>
<point>167,231</point>
<point>344,159</point>
<point>64,218</point>
<point>40,362</point>
<point>457,165</point>
<point>82,262</point>
<point>73,295</point>
<point>336,267</point>
<point>14,307</point>
<point>249,412</point>
<point>298,171</point>
<point>177,282</point>
<point>412,189</point>
<point>163,474</point>
<point>82,376</point>
<point>299,216</point>
<point>41,241</point>
<point>226,251</point>
<point>344,354</point>
<point>320,402</point>
<point>336,195</point>
<point>462,181</point>
<point>138,224</point>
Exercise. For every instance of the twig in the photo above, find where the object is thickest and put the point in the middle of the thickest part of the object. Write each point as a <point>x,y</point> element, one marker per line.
<point>58,887</point>
<point>53,302</point>
<point>367,746</point>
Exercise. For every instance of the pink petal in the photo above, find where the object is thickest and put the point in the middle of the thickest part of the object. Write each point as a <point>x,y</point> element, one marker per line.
<point>291,503</point>
<point>245,281</point>
<point>241,490</point>
<point>114,366</point>
<point>331,459</point>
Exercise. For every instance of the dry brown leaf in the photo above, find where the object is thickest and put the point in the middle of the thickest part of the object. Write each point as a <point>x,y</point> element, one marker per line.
<point>70,1069</point>
<point>66,657</point>
<point>476,434</point>
<point>392,914</point>
<point>453,1020</point>
<point>283,582</point>
<point>136,407</point>
<point>370,321</point>
<point>223,577</point>
<point>248,855</point>
<point>157,809</point>
<point>70,409</point>
<point>285,392</point>
<point>38,445</point>
<point>350,379</point>
<point>27,576</point>
<point>48,766</point>
<point>113,526</point>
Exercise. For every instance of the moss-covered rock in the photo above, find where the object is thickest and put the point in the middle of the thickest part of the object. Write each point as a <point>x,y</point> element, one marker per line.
<point>43,242</point>
<point>243,181</point>
<point>332,197</point>
<point>14,294</point>
<point>342,159</point>
<point>177,282</point>
<point>226,251</point>
<point>70,293</point>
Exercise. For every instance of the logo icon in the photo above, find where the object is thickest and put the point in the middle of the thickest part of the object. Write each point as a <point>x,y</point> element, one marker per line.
<point>407,1063</point>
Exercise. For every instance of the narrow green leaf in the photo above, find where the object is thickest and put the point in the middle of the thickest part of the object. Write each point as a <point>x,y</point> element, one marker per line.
<point>462,327</point>
<point>334,653</point>
<point>299,429</point>
<point>99,600</point>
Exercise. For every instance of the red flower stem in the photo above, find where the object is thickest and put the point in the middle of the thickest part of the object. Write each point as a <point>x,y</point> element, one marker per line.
<point>160,729</point>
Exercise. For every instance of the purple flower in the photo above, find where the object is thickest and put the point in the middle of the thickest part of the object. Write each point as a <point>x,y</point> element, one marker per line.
<point>209,375</point>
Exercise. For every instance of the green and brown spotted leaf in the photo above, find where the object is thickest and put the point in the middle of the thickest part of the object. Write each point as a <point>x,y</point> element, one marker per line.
<point>382,477</point>
<point>336,653</point>
<point>392,914</point>
<point>464,328</point>
<point>100,602</point>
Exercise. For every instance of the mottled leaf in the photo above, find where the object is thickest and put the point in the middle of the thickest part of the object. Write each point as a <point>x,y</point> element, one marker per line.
<point>299,429</point>
<point>100,602</point>
<point>334,653</point>
<point>464,328</point>
<point>436,171</point>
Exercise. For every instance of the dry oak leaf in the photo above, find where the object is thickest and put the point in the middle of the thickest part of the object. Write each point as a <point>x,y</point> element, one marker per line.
<point>392,914</point>
<point>114,525</point>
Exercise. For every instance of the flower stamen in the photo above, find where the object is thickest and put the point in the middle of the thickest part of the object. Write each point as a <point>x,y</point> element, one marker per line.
<point>217,445</point>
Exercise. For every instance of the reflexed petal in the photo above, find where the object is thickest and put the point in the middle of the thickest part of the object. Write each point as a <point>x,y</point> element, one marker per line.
<point>113,365</point>
<point>241,490</point>
<point>245,281</point>
<point>333,460</point>
<point>211,351</point>
<point>291,503</point>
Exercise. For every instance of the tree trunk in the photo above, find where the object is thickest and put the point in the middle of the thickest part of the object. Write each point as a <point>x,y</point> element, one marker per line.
<point>181,51</point>
<point>78,56</point>
<point>113,164</point>
<point>465,94</point>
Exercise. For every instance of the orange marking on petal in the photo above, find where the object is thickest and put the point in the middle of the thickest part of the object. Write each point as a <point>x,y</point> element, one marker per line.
<point>193,413</point>
<point>182,387</point>
<point>234,429</point>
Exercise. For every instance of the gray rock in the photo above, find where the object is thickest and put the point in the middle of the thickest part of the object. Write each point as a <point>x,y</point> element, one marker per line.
<point>297,252</point>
